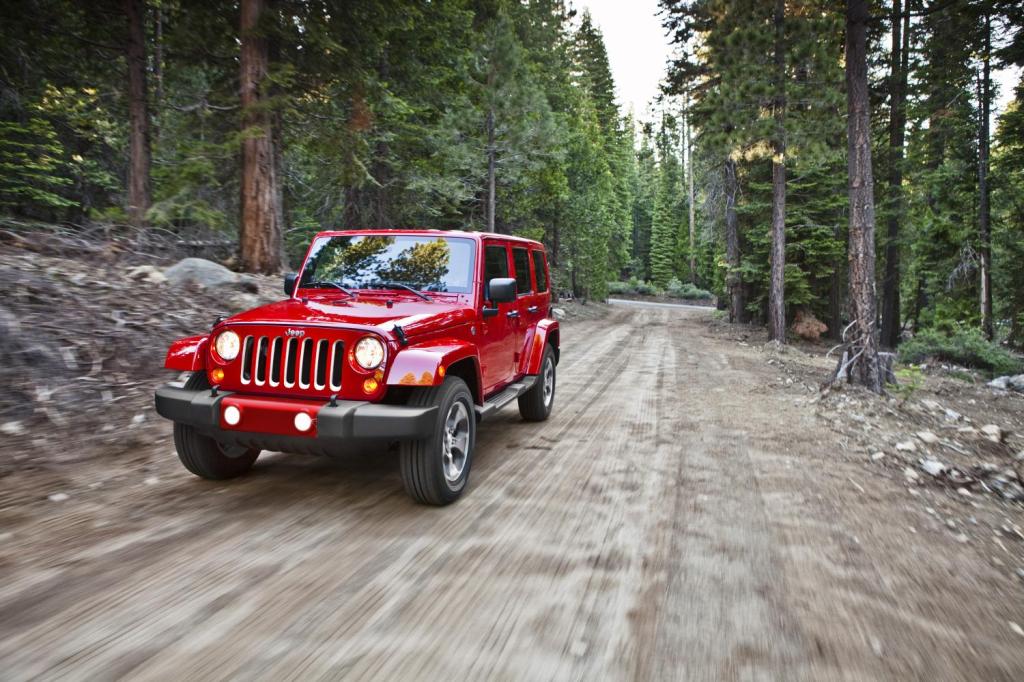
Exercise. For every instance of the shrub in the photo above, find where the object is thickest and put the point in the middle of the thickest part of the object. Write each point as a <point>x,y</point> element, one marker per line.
<point>963,347</point>
<point>619,288</point>
<point>647,289</point>
<point>677,289</point>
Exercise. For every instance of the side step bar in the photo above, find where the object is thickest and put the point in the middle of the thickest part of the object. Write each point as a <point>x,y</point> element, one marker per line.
<point>507,395</point>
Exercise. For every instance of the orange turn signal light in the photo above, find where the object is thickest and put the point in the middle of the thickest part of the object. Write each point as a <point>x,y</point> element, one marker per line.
<point>217,375</point>
<point>370,385</point>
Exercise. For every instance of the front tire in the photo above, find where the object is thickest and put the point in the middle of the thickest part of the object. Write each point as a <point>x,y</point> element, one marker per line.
<point>435,470</point>
<point>204,456</point>
<point>535,405</point>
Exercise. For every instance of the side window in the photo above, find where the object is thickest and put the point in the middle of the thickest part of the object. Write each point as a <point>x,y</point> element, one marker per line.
<point>495,265</point>
<point>495,262</point>
<point>539,271</point>
<point>521,259</point>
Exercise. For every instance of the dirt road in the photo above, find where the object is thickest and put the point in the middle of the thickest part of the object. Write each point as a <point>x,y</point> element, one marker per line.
<point>674,519</point>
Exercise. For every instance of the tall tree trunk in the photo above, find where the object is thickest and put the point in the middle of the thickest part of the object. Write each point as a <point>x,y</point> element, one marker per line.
<point>897,127</point>
<point>689,191</point>
<point>776,292</point>
<point>835,325</point>
<point>158,57</point>
<point>860,363</point>
<point>490,170</point>
<point>733,279</point>
<point>984,217</point>
<point>260,231</point>
<point>138,114</point>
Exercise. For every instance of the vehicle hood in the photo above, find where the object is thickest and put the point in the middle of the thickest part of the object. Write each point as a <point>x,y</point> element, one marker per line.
<point>415,317</point>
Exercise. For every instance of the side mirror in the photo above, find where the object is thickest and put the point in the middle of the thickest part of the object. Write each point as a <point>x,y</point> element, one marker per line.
<point>501,290</point>
<point>289,283</point>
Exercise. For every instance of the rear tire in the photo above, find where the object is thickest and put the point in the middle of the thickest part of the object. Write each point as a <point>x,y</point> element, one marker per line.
<point>435,469</point>
<point>535,405</point>
<point>204,456</point>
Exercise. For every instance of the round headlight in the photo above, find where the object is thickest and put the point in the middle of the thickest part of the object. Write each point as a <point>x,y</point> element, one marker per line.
<point>227,345</point>
<point>369,352</point>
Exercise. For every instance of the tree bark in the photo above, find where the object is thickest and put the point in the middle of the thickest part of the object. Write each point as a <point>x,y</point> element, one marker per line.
<point>984,213</point>
<point>490,170</point>
<point>733,279</point>
<point>138,114</point>
<point>897,127</point>
<point>689,192</point>
<point>260,231</point>
<point>776,292</point>
<point>861,363</point>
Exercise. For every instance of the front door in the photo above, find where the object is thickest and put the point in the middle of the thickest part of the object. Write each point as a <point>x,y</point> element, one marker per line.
<point>497,332</point>
<point>526,303</point>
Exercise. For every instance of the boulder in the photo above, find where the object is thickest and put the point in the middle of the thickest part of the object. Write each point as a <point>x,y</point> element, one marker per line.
<point>1009,383</point>
<point>201,272</point>
<point>147,273</point>
<point>807,326</point>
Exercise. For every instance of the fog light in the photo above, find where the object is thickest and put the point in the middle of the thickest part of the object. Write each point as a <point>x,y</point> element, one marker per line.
<point>370,385</point>
<point>217,375</point>
<point>303,422</point>
<point>232,415</point>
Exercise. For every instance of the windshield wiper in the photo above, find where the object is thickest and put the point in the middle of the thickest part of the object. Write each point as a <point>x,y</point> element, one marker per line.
<point>399,285</point>
<point>324,283</point>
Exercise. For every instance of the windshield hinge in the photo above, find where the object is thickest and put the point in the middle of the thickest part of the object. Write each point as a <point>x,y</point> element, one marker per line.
<point>400,333</point>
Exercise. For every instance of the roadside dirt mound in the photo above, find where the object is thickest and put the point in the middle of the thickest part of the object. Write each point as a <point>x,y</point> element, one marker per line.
<point>82,344</point>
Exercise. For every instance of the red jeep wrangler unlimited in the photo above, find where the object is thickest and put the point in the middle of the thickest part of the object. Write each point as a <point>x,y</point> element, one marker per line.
<point>387,335</point>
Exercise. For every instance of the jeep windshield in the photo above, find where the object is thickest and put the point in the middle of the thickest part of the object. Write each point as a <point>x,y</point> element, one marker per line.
<point>421,263</point>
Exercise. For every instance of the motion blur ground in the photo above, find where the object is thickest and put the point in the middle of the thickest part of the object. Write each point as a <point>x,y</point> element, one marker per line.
<point>676,518</point>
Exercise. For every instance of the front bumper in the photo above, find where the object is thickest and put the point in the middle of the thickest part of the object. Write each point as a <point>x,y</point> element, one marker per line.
<point>268,423</point>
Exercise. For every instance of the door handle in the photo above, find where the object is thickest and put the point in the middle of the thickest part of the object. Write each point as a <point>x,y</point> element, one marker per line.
<point>532,309</point>
<point>512,313</point>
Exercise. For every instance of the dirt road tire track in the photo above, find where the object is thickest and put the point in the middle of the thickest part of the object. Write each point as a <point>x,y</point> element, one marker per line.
<point>669,521</point>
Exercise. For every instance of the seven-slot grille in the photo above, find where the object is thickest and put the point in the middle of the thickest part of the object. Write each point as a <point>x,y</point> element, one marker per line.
<point>289,361</point>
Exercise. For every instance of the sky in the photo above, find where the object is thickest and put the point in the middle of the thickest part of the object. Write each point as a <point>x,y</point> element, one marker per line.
<point>638,51</point>
<point>637,47</point>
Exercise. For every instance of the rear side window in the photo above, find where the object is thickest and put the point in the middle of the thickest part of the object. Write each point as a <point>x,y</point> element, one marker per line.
<point>521,258</point>
<point>539,271</point>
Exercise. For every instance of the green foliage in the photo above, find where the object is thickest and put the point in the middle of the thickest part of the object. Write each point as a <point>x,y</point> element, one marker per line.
<point>31,168</point>
<point>687,290</point>
<point>966,347</point>
<point>909,381</point>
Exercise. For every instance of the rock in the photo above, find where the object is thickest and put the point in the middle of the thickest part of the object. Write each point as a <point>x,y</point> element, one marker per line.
<point>877,456</point>
<point>147,273</point>
<point>953,415</point>
<point>992,432</point>
<point>807,326</point>
<point>932,467</point>
<point>910,474</point>
<point>906,446</point>
<point>559,313</point>
<point>931,405</point>
<point>152,480</point>
<point>14,428</point>
<point>1009,383</point>
<point>1016,628</point>
<point>928,437</point>
<point>200,271</point>
<point>964,491</point>
<point>57,497</point>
